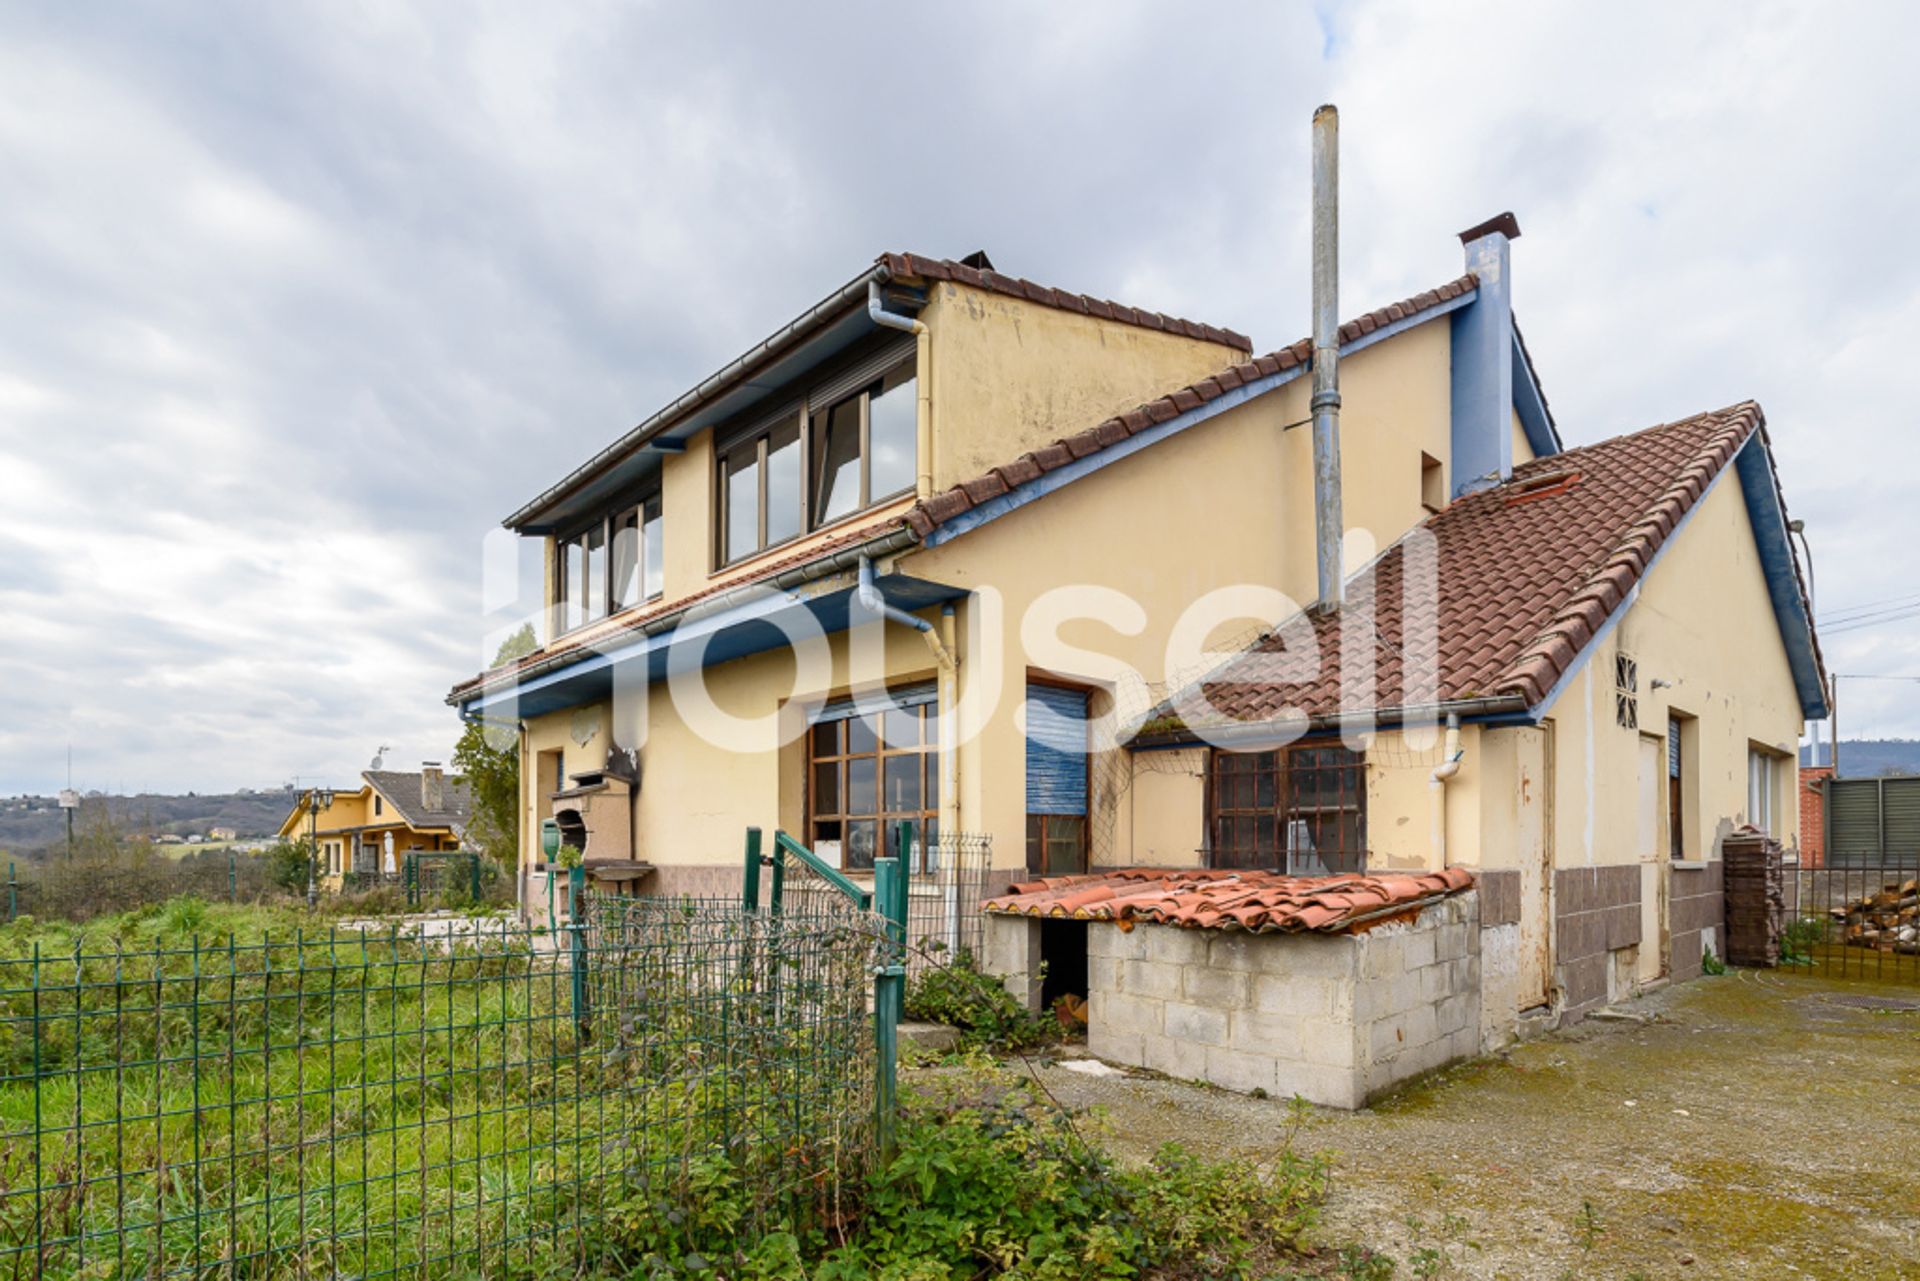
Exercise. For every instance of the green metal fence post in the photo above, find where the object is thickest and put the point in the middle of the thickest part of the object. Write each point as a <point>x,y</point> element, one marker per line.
<point>577,945</point>
<point>411,882</point>
<point>13,894</point>
<point>897,911</point>
<point>888,996</point>
<point>750,886</point>
<point>778,889</point>
<point>473,878</point>
<point>233,878</point>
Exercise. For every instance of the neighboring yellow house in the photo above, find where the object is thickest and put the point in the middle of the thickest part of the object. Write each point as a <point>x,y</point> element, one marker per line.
<point>369,831</point>
<point>986,512</point>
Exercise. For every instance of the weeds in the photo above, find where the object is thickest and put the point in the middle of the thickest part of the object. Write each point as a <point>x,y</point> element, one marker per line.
<point>980,1005</point>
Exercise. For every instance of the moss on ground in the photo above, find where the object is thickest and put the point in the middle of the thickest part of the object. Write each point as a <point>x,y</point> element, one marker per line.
<point>1757,1125</point>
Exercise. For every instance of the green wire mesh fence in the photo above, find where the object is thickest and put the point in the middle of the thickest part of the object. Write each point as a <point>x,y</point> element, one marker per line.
<point>485,1101</point>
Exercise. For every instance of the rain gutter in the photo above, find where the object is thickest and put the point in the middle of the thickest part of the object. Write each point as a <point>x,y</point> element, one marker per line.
<point>833,563</point>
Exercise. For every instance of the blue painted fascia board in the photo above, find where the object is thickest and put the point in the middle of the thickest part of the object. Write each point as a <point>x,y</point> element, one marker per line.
<point>1755,465</point>
<point>1048,482</point>
<point>1776,562</point>
<point>1531,404</point>
<point>732,632</point>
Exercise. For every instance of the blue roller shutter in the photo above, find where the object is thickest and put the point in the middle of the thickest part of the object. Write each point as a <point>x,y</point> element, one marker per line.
<point>872,704</point>
<point>1056,750</point>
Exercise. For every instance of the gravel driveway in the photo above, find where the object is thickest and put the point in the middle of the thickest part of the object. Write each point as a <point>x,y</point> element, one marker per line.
<point>1753,1125</point>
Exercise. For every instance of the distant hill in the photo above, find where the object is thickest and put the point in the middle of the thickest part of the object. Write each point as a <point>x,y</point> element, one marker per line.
<point>1873,757</point>
<point>30,823</point>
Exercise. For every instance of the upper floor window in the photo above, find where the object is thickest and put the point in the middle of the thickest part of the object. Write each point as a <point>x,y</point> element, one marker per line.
<point>846,446</point>
<point>612,564</point>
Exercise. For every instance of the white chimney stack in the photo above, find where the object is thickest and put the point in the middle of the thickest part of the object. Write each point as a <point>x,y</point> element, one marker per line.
<point>433,791</point>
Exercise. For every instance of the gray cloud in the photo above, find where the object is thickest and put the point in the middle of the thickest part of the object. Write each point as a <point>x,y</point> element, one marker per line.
<point>303,298</point>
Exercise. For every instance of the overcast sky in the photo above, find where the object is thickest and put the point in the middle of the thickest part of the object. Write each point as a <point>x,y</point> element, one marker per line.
<point>301,300</point>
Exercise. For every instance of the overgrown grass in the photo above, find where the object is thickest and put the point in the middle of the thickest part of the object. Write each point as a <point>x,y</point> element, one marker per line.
<point>291,1101</point>
<point>374,1103</point>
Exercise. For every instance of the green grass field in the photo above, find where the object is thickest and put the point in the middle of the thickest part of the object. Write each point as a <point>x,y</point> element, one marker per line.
<point>291,1101</point>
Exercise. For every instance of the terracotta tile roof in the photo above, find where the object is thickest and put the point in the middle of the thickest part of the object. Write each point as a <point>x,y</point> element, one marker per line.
<point>1212,899</point>
<point>1528,571</point>
<point>926,516</point>
<point>913,265</point>
<point>617,627</point>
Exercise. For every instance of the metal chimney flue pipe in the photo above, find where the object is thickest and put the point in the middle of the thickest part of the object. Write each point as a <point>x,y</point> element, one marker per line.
<point>1325,404</point>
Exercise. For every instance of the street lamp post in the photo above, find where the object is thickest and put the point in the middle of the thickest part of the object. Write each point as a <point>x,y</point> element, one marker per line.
<point>317,798</point>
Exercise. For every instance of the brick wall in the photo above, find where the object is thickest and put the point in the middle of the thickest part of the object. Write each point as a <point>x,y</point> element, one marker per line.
<point>1813,814</point>
<point>1335,1018</point>
<point>1596,911</point>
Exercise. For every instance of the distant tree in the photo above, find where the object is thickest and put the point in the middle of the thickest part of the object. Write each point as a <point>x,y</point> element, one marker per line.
<point>287,865</point>
<point>489,757</point>
<point>518,645</point>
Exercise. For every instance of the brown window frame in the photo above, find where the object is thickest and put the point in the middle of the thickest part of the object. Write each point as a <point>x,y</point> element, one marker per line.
<point>1282,768</point>
<point>1047,832</point>
<point>646,510</point>
<point>1676,752</point>
<point>840,755</point>
<point>811,416</point>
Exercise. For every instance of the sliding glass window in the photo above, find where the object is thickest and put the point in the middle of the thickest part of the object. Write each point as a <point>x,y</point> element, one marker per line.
<point>614,563</point>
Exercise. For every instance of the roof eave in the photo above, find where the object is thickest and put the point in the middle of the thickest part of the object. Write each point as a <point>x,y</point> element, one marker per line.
<point>729,375</point>
<point>1259,735</point>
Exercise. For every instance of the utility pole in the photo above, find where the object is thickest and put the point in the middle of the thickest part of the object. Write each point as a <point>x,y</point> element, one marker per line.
<point>69,801</point>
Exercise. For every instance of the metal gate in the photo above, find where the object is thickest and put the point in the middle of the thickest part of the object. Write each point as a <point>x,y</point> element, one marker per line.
<point>1857,921</point>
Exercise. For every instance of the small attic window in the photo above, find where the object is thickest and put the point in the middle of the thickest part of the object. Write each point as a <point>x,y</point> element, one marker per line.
<point>1433,483</point>
<point>1547,486</point>
<point>1626,691</point>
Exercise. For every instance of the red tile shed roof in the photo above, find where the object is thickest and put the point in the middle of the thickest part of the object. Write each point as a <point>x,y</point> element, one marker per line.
<point>1261,902</point>
<point>942,507</point>
<point>1528,571</point>
<point>914,266</point>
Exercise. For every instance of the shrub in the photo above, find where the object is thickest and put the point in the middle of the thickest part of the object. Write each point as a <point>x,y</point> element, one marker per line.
<point>287,865</point>
<point>978,1004</point>
<point>1006,1188</point>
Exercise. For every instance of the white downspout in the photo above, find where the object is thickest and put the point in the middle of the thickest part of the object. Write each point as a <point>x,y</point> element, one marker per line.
<point>922,381</point>
<point>1448,767</point>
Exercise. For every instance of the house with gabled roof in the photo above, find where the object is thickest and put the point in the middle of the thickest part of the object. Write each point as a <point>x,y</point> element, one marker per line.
<point>365,833</point>
<point>960,552</point>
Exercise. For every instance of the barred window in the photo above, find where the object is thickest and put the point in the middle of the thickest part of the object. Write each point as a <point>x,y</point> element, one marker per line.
<point>1301,809</point>
<point>1626,691</point>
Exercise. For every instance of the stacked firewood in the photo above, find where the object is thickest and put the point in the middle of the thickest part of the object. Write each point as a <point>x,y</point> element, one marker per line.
<point>1889,920</point>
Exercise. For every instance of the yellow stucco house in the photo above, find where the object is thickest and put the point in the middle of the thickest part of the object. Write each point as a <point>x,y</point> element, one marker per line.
<point>368,831</point>
<point>956,549</point>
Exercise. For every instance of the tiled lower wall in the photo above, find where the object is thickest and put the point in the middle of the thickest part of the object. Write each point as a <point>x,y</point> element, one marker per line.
<point>1696,911</point>
<point>1596,912</point>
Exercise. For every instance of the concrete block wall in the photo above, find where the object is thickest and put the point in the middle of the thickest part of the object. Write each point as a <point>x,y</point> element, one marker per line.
<point>1419,1006</point>
<point>1335,1018</point>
